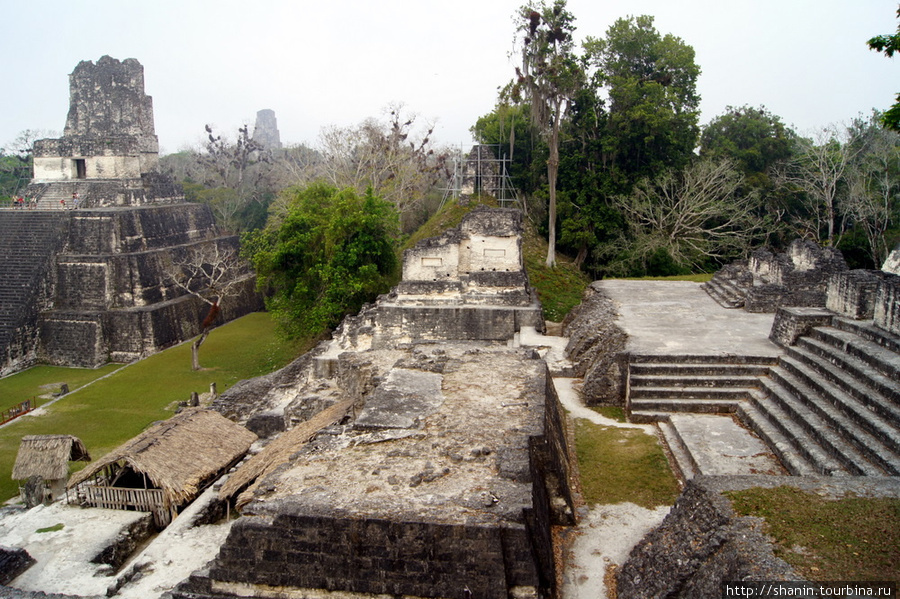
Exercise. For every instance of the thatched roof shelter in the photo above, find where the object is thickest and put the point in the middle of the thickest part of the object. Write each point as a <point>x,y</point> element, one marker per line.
<point>48,456</point>
<point>279,451</point>
<point>178,455</point>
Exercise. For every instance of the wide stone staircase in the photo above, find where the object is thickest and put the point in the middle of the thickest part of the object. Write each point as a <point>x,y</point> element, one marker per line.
<point>830,405</point>
<point>28,241</point>
<point>49,197</point>
<point>729,286</point>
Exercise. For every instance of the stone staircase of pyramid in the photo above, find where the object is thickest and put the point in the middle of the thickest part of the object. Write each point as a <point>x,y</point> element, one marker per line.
<point>830,405</point>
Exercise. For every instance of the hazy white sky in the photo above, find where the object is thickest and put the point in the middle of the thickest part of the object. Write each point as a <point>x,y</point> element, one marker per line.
<point>337,62</point>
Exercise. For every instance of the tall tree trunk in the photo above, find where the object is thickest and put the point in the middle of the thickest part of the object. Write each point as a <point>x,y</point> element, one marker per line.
<point>552,170</point>
<point>195,349</point>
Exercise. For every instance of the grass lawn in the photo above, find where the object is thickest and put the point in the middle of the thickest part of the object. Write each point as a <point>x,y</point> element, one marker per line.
<point>115,409</point>
<point>622,464</point>
<point>853,538</point>
<point>44,380</point>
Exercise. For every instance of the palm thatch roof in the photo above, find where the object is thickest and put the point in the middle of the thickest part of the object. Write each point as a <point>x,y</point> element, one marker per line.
<point>279,451</point>
<point>48,456</point>
<point>180,454</point>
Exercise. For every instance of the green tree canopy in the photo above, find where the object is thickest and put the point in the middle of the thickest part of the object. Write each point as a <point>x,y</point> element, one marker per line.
<point>328,254</point>
<point>653,101</point>
<point>889,44</point>
<point>753,138</point>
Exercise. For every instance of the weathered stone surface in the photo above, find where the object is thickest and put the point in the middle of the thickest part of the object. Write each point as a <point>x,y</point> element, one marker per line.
<point>446,477</point>
<point>109,132</point>
<point>461,492</point>
<point>792,323</point>
<point>852,293</point>
<point>13,561</point>
<point>595,347</point>
<point>403,400</point>
<point>892,262</point>
<point>128,539</point>
<point>797,277</point>
<point>467,283</point>
<point>703,543</point>
<point>887,304</point>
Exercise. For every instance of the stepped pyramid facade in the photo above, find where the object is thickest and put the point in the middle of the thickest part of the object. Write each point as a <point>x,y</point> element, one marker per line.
<point>84,284</point>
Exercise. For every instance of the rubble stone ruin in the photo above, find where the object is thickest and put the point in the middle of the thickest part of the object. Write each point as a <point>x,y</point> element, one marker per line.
<point>87,273</point>
<point>265,131</point>
<point>420,453</point>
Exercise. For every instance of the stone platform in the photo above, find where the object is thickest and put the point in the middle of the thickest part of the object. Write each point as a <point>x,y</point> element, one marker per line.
<point>679,317</point>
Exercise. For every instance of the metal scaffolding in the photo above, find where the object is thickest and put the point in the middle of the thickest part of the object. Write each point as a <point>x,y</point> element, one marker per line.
<point>481,172</point>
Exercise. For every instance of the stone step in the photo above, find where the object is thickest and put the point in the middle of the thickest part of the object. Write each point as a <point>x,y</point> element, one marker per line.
<point>685,463</point>
<point>694,380</point>
<point>875,355</point>
<point>842,434</point>
<point>767,415</point>
<point>876,391</point>
<point>780,389</point>
<point>711,359</point>
<point>780,444</point>
<point>699,369</point>
<point>725,292</point>
<point>865,405</point>
<point>688,393</point>
<point>867,330</point>
<point>686,404</point>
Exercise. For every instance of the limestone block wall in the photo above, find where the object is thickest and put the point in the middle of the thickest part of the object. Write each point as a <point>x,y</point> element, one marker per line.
<point>377,556</point>
<point>489,323</point>
<point>108,158</point>
<point>852,293</point>
<point>111,281</point>
<point>88,339</point>
<point>112,298</point>
<point>887,304</point>
<point>434,261</point>
<point>791,323</point>
<point>486,241</point>
<point>140,229</point>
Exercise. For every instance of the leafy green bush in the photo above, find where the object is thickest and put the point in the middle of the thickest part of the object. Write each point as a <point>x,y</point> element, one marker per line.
<point>331,252</point>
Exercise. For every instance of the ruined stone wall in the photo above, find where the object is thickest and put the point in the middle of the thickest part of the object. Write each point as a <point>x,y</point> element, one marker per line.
<point>852,293</point>
<point>108,99</point>
<point>137,230</point>
<point>434,323</point>
<point>109,132</point>
<point>798,277</point>
<point>108,158</point>
<point>89,339</point>
<point>596,348</point>
<point>373,555</point>
<point>481,173</point>
<point>435,259</point>
<point>887,304</point>
<point>702,543</point>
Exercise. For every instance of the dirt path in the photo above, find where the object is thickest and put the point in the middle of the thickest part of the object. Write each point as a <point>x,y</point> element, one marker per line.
<point>605,534</point>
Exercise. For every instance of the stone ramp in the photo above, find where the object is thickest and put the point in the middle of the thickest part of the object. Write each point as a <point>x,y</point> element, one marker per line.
<point>715,444</point>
